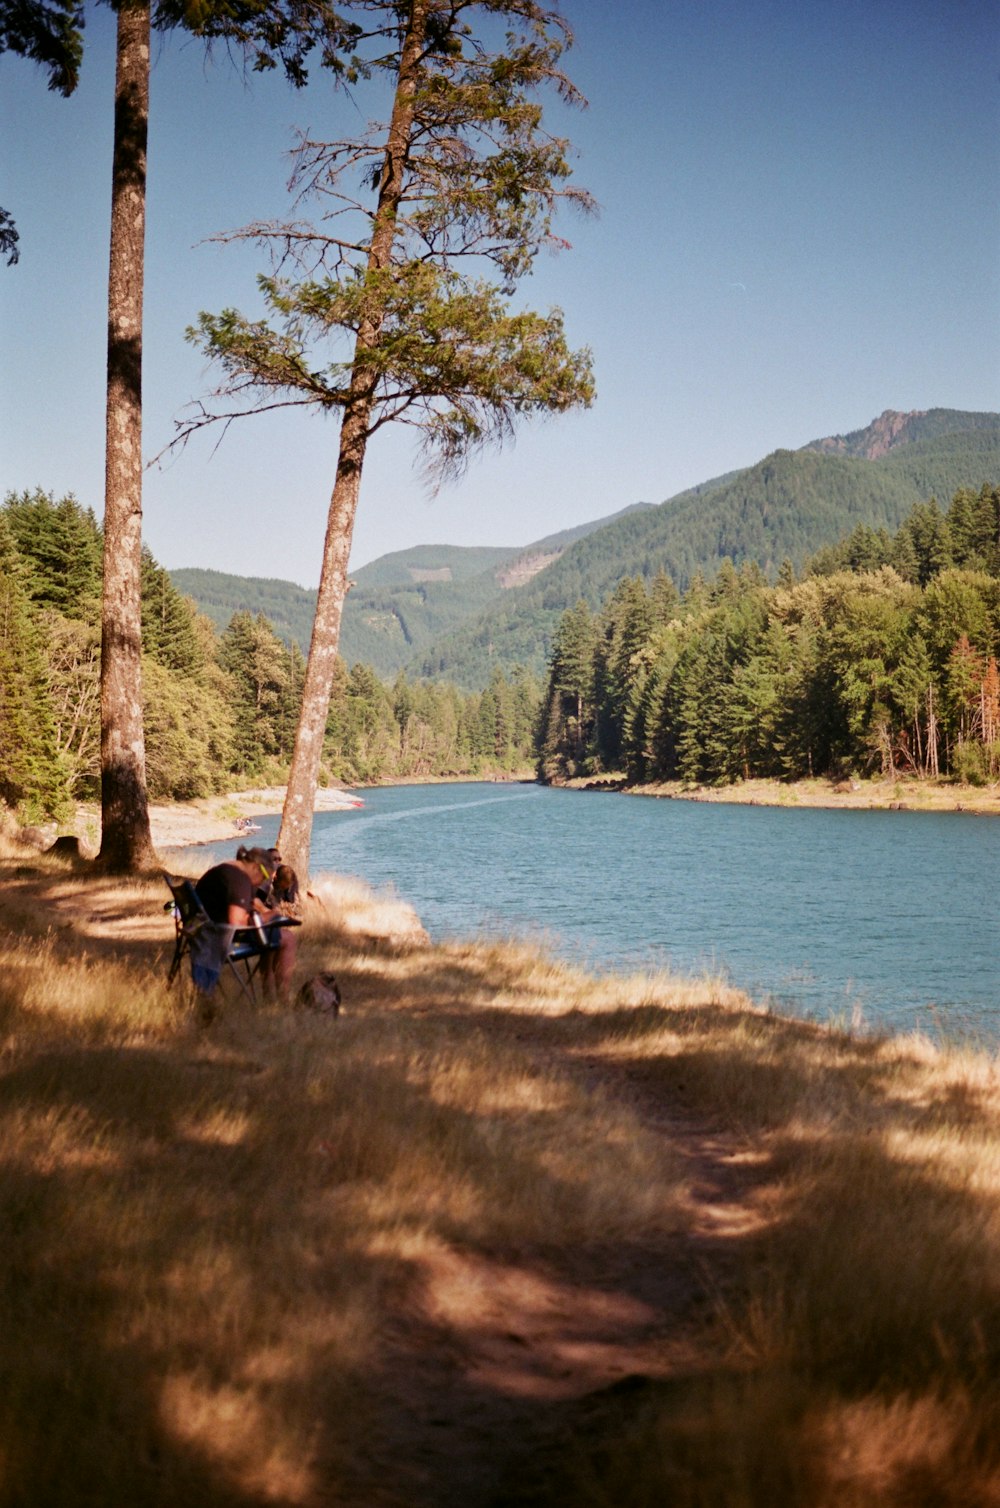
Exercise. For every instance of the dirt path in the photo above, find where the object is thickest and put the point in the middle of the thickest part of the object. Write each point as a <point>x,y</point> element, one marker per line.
<point>495,1362</point>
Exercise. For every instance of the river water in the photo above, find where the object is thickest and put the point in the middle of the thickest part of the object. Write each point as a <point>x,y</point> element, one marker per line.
<point>885,918</point>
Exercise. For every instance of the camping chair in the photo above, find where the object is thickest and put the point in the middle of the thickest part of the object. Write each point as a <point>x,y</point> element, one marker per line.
<point>211,944</point>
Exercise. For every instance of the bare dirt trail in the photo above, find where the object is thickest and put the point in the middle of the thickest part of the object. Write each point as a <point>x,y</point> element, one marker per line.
<point>496,1363</point>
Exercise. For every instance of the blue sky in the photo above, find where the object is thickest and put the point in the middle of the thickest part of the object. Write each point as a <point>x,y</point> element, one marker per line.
<point>799,227</point>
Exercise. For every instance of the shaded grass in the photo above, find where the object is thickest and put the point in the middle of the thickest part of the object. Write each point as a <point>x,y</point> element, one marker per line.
<point>856,1359</point>
<point>219,1243</point>
<point>203,1229</point>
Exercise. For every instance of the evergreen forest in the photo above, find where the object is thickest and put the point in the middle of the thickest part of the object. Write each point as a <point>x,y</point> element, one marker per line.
<point>220,707</point>
<point>787,506</point>
<point>878,657</point>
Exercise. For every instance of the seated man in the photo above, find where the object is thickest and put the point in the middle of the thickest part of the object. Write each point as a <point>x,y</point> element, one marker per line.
<point>227,892</point>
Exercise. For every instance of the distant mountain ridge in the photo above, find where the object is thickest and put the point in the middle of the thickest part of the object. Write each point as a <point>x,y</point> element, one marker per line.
<point>454,612</point>
<point>219,595</point>
<point>432,562</point>
<point>402,604</point>
<point>892,429</point>
<point>423,563</point>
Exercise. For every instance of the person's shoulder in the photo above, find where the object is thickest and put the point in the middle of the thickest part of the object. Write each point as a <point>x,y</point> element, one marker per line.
<point>218,868</point>
<point>227,870</point>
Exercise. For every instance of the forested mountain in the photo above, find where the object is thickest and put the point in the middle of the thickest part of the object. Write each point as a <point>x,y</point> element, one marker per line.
<point>883,650</point>
<point>288,608</point>
<point>398,603</point>
<point>454,614</point>
<point>431,563</point>
<point>787,506</point>
<point>881,658</point>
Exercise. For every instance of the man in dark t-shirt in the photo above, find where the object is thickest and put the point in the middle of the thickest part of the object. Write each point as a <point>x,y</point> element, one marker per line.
<point>229,893</point>
<point>226,892</point>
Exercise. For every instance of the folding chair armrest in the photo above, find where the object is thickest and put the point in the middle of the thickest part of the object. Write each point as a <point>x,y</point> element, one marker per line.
<point>250,940</point>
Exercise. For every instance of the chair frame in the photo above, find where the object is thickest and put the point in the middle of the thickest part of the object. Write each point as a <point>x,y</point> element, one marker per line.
<point>248,947</point>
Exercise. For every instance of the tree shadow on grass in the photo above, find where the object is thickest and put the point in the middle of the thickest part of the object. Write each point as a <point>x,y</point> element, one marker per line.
<point>185,1263</point>
<point>220,1287</point>
<point>864,1325</point>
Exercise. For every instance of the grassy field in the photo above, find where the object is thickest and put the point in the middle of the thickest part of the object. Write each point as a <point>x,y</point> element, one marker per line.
<point>502,1233</point>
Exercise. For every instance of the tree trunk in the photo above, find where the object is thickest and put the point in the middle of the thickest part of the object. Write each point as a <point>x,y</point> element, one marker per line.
<point>126,843</point>
<point>932,736</point>
<point>295,836</point>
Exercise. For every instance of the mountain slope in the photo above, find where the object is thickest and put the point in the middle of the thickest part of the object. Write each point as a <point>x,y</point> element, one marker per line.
<point>407,568</point>
<point>789,504</point>
<point>403,603</point>
<point>398,603</point>
<point>892,430</point>
<point>218,595</point>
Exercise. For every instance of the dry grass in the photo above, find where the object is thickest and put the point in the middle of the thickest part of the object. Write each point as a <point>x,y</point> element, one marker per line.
<point>502,1233</point>
<point>856,1358</point>
<point>204,1227</point>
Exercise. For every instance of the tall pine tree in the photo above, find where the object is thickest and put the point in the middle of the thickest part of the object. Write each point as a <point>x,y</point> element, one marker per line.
<point>389,319</point>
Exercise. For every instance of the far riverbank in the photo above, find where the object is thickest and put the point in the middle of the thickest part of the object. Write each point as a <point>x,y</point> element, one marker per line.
<point>874,795</point>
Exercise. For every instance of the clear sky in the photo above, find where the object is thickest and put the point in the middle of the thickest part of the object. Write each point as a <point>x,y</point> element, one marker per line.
<point>799,228</point>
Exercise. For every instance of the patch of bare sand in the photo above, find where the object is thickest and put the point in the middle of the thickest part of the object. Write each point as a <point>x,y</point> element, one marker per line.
<point>210,819</point>
<point>182,824</point>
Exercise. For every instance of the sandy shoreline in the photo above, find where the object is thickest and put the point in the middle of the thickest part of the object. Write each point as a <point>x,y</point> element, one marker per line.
<point>857,795</point>
<point>212,819</point>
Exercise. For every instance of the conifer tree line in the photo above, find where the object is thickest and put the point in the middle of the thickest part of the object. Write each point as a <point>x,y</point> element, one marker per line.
<point>880,658</point>
<point>220,710</point>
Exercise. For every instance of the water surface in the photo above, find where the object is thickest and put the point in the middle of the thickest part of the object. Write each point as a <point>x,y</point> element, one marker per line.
<point>831,914</point>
